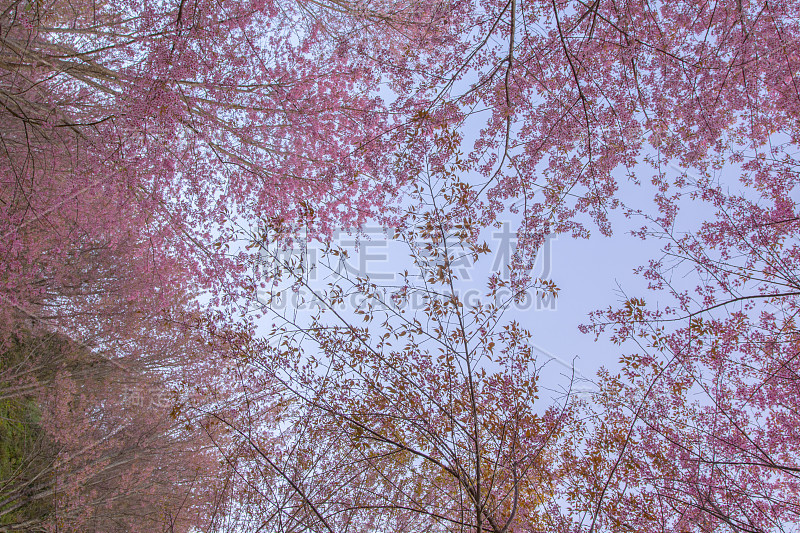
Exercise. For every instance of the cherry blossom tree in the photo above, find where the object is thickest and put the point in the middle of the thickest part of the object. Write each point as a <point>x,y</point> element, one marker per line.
<point>698,431</point>
<point>103,447</point>
<point>414,411</point>
<point>315,112</point>
<point>140,131</point>
<point>142,140</point>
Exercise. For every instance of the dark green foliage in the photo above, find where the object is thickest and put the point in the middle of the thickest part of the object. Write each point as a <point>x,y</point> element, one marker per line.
<point>21,452</point>
<point>25,455</point>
